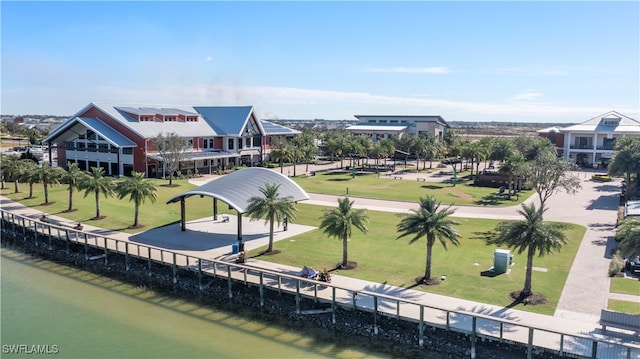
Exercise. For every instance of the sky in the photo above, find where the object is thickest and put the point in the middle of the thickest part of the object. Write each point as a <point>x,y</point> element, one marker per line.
<point>544,61</point>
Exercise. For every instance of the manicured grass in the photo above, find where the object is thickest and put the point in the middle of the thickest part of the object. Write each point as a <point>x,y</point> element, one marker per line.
<point>386,188</point>
<point>381,257</point>
<point>625,286</point>
<point>624,306</point>
<point>384,259</point>
<point>119,213</point>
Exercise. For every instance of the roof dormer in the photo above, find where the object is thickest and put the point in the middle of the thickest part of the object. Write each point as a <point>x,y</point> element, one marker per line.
<point>610,121</point>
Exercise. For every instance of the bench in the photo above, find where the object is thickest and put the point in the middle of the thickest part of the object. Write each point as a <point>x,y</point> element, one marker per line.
<point>609,318</point>
<point>225,219</point>
<point>421,179</point>
<point>397,177</point>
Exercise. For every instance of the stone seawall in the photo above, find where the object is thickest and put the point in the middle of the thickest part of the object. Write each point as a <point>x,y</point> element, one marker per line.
<point>396,337</point>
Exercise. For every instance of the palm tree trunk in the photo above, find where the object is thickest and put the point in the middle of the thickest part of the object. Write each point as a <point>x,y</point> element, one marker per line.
<point>271,220</point>
<point>344,250</point>
<point>70,199</point>
<point>97,204</point>
<point>31,190</point>
<point>136,210</point>
<point>526,291</point>
<point>15,186</point>
<point>46,192</point>
<point>427,271</point>
<point>281,168</point>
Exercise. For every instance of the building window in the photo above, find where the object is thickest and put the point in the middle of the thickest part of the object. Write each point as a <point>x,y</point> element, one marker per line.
<point>70,146</point>
<point>91,147</point>
<point>103,147</point>
<point>230,143</point>
<point>211,143</point>
<point>127,151</point>
<point>91,135</point>
<point>247,142</point>
<point>81,146</point>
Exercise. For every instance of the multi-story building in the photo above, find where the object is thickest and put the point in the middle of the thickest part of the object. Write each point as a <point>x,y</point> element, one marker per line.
<point>592,142</point>
<point>384,126</point>
<point>120,138</point>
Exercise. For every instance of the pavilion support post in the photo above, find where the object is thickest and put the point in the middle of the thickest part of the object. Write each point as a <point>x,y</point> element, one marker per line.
<point>183,221</point>
<point>239,227</point>
<point>215,209</point>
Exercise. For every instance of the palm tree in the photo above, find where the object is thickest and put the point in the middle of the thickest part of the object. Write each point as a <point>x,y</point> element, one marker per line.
<point>139,190</point>
<point>12,168</point>
<point>307,148</point>
<point>97,183</point>
<point>281,153</point>
<point>430,222</point>
<point>272,207</point>
<point>338,223</point>
<point>72,177</point>
<point>531,235</point>
<point>30,174</point>
<point>512,167</point>
<point>626,160</point>
<point>628,234</point>
<point>49,176</point>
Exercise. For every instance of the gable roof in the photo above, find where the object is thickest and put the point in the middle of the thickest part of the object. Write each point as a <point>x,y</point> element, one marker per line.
<point>112,136</point>
<point>213,120</point>
<point>238,187</point>
<point>226,120</point>
<point>596,124</point>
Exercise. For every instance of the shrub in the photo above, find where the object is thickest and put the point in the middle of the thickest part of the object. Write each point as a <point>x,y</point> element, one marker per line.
<point>616,265</point>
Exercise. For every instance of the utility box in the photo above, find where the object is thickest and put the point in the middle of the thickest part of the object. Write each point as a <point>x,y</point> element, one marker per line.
<point>234,248</point>
<point>502,259</point>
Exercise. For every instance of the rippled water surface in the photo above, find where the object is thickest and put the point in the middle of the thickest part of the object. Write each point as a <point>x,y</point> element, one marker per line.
<point>83,315</point>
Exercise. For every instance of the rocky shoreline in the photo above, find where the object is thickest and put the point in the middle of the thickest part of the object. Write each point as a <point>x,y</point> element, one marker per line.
<point>397,338</point>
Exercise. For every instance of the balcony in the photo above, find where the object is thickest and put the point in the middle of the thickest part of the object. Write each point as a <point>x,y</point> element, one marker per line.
<point>581,147</point>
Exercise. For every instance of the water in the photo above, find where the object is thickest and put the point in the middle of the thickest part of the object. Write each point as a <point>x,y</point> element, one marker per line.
<point>77,314</point>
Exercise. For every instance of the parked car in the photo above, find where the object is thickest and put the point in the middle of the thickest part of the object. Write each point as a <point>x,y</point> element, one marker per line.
<point>633,265</point>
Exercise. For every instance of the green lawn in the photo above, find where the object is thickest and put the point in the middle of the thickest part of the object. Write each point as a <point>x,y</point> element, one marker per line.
<point>384,259</point>
<point>625,286</point>
<point>383,187</point>
<point>381,257</point>
<point>119,213</point>
<point>624,306</point>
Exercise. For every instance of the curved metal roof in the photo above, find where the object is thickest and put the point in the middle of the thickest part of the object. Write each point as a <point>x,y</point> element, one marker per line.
<point>236,188</point>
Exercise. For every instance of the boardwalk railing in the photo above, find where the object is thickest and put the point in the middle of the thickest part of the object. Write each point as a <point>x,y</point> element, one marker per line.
<point>475,325</point>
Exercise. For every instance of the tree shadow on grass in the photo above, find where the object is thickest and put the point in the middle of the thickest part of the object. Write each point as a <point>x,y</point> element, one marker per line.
<point>430,186</point>
<point>492,200</point>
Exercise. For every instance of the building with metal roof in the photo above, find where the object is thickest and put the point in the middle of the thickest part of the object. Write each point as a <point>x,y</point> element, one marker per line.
<point>237,188</point>
<point>591,143</point>
<point>379,127</point>
<point>120,138</point>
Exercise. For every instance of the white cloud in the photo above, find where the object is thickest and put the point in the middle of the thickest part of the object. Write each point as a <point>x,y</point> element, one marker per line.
<point>528,95</point>
<point>290,102</point>
<point>411,70</point>
<point>208,58</point>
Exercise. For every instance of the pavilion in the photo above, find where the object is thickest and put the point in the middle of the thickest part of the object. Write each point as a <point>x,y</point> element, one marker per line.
<point>236,188</point>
